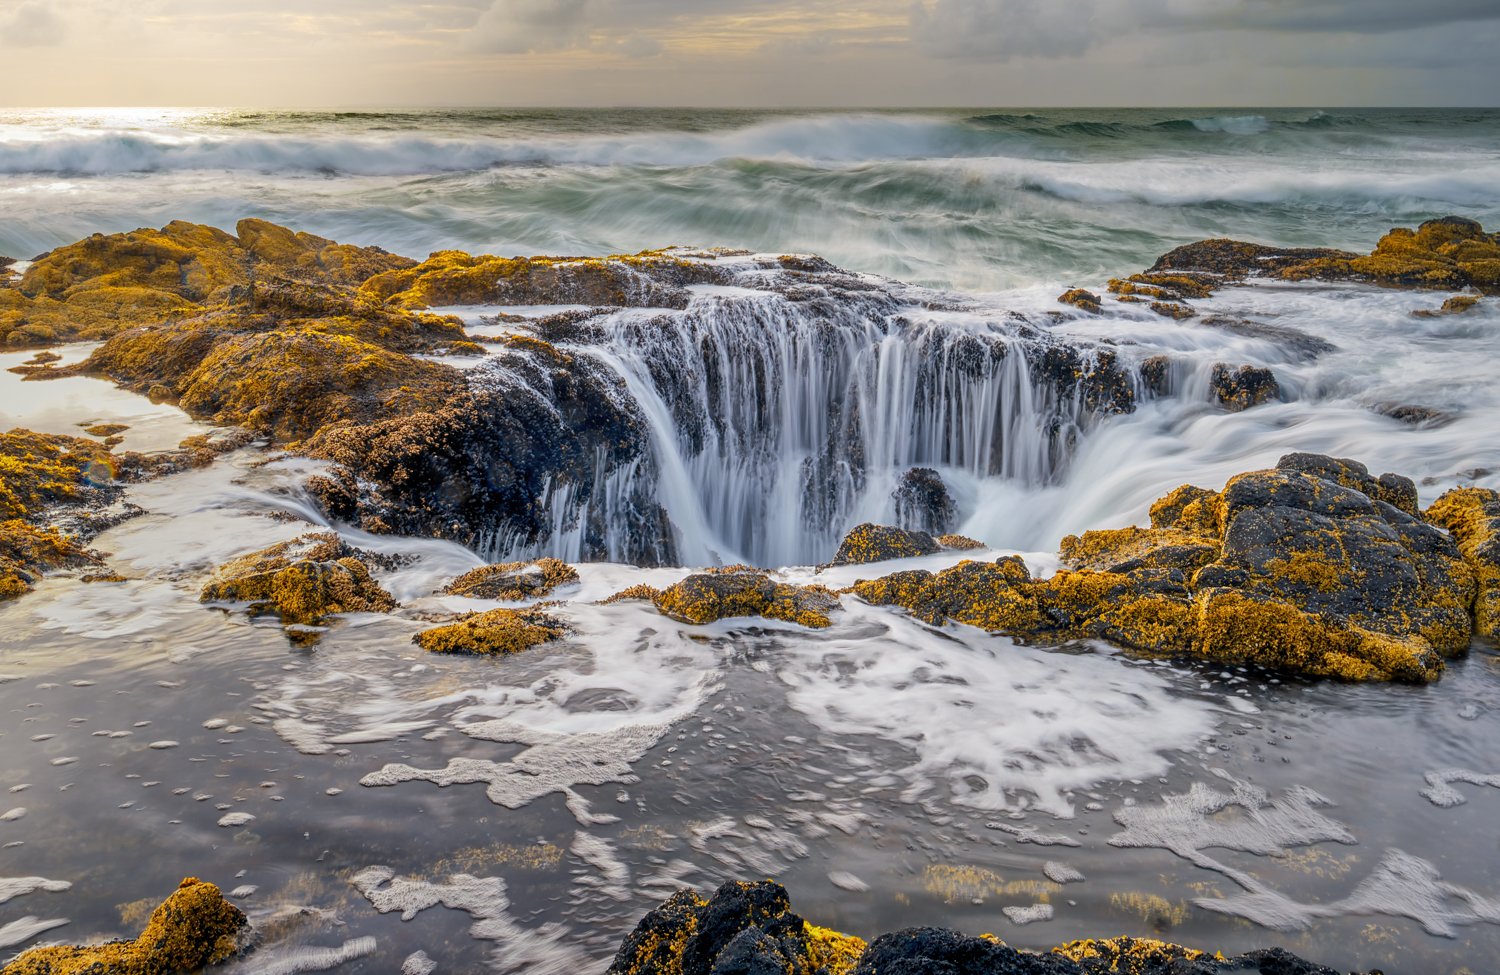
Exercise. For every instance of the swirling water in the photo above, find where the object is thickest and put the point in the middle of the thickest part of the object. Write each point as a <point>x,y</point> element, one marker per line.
<point>145,737</point>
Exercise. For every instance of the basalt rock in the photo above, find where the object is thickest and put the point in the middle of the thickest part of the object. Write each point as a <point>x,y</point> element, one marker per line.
<point>192,929</point>
<point>302,581</point>
<point>1239,389</point>
<point>1449,253</point>
<point>750,929</point>
<point>513,580</point>
<point>499,632</point>
<point>877,543</point>
<point>739,590</point>
<point>1472,517</point>
<point>1315,567</point>
<point>923,503</point>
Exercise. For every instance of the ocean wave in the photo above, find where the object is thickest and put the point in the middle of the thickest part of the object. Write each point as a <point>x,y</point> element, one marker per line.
<point>840,139</point>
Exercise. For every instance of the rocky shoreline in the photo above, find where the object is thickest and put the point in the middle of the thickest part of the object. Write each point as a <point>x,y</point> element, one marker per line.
<point>1315,567</point>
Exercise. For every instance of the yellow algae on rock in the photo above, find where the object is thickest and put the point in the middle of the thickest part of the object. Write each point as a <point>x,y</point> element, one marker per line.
<point>1472,516</point>
<point>869,542</point>
<point>960,543</point>
<point>742,591</point>
<point>830,951</point>
<point>1127,956</point>
<point>498,632</point>
<point>192,929</point>
<point>302,581</point>
<point>513,580</point>
<point>27,551</point>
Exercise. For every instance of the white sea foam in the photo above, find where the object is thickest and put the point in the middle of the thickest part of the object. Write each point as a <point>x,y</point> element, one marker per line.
<point>13,887</point>
<point>23,929</point>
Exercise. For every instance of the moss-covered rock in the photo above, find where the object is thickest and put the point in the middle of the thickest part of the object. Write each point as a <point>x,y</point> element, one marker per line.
<point>876,543</point>
<point>303,581</point>
<point>1315,567</point>
<point>1472,517</point>
<point>1450,253</point>
<point>26,552</point>
<point>739,590</point>
<point>649,279</point>
<point>513,580</point>
<point>499,632</point>
<point>41,474</point>
<point>751,928</point>
<point>192,929</point>
<point>1085,301</point>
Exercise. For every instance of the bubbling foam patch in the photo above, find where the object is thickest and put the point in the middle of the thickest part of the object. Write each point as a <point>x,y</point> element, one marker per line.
<point>1440,791</point>
<point>993,721</point>
<point>546,950</point>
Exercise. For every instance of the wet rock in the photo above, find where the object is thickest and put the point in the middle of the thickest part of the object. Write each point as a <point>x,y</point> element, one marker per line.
<point>1156,375</point>
<point>1456,305</point>
<point>923,503</point>
<point>1239,389</point>
<point>750,928</point>
<point>499,632</point>
<point>877,543</point>
<point>45,477</point>
<point>1173,309</point>
<point>960,543</point>
<point>194,928</point>
<point>650,279</point>
<point>1448,253</point>
<point>26,552</point>
<point>1082,300</point>
<point>303,581</point>
<point>1417,416</point>
<point>1315,567</point>
<point>1301,345</point>
<point>742,591</point>
<point>513,580</point>
<point>1472,516</point>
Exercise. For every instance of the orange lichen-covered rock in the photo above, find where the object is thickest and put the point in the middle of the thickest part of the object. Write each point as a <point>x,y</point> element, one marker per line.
<point>513,580</point>
<point>499,632</point>
<point>27,551</point>
<point>877,543</point>
<point>192,929</point>
<point>1315,567</point>
<point>1083,300</point>
<point>302,581</point>
<point>742,591</point>
<point>39,473</point>
<point>1472,516</point>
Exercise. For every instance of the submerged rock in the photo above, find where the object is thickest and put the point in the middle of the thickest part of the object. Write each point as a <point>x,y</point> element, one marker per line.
<point>499,632</point>
<point>193,928</point>
<point>1456,305</point>
<point>877,543</point>
<point>302,581</point>
<point>750,929</point>
<point>742,591</point>
<point>1315,567</point>
<point>513,580</point>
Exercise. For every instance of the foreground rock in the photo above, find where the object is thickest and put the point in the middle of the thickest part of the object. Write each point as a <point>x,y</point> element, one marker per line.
<point>500,632</point>
<point>193,928</point>
<point>41,475</point>
<point>303,581</point>
<point>1314,567</point>
<point>1472,516</point>
<point>750,928</point>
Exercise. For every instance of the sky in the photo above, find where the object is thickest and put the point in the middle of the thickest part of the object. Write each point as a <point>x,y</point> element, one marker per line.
<point>897,53</point>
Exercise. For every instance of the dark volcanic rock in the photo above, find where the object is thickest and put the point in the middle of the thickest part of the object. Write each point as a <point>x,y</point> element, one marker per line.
<point>750,929</point>
<point>1239,389</point>
<point>876,543</point>
<point>923,503</point>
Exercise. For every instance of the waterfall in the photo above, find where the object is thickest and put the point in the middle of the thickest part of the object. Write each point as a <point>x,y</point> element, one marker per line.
<point>778,419</point>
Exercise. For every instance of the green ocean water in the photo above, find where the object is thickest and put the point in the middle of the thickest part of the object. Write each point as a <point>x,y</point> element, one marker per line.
<point>973,199</point>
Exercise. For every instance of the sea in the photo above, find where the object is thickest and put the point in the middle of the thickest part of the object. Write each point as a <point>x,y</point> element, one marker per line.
<point>377,809</point>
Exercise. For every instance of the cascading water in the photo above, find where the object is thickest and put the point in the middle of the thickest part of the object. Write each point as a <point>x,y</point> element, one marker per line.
<point>778,419</point>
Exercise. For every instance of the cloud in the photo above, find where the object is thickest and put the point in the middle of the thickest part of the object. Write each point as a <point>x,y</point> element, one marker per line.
<point>1000,30</point>
<point>32,24</point>
<point>1351,16</point>
<point>526,26</point>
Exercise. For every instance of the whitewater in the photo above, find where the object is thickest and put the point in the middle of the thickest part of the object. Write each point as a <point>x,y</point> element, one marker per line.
<point>888,772</point>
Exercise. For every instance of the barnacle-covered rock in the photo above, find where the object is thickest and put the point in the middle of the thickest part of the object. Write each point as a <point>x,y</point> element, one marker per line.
<point>499,632</point>
<point>303,581</point>
<point>513,580</point>
<point>190,930</point>
<point>739,590</point>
